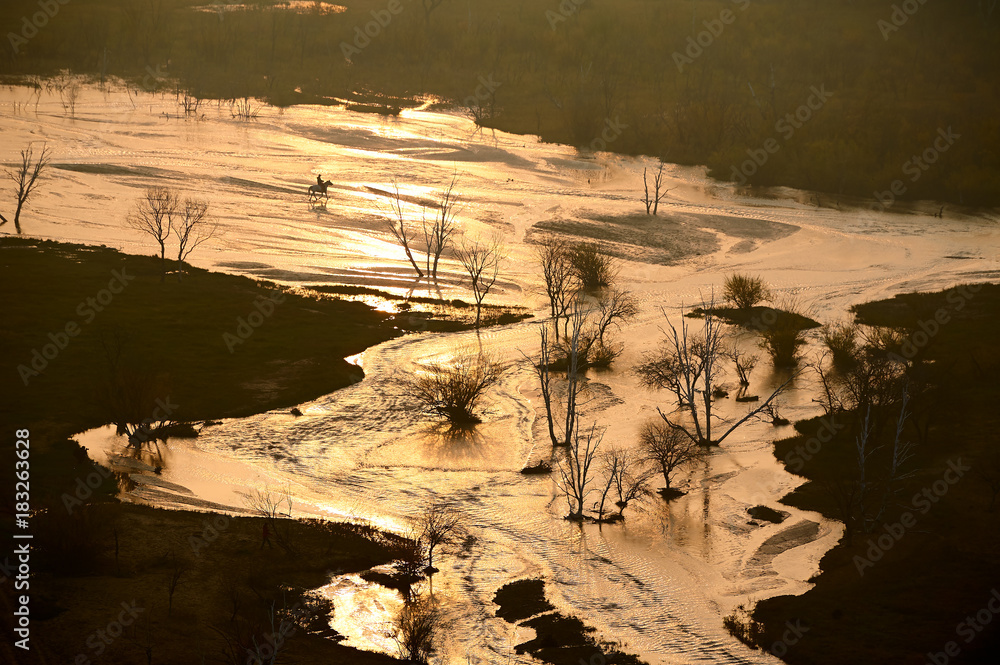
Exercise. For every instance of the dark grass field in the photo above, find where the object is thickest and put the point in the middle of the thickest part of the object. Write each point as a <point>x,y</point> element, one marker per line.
<point>944,565</point>
<point>109,554</point>
<point>186,333</point>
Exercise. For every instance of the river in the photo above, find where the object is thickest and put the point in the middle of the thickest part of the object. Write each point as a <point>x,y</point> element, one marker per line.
<point>661,582</point>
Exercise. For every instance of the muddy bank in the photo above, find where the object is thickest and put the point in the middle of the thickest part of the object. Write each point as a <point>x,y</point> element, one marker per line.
<point>664,239</point>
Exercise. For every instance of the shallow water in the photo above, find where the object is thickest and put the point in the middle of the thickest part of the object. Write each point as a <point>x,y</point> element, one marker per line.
<point>661,581</point>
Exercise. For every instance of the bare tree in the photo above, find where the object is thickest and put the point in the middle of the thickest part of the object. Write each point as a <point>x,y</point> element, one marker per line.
<point>688,367</point>
<point>611,461</point>
<point>178,568</point>
<point>437,235</point>
<point>453,390</point>
<point>652,201</point>
<point>439,525</point>
<point>574,470</point>
<point>188,102</point>
<point>398,226</point>
<point>154,215</point>
<point>481,261</point>
<point>614,308</point>
<point>194,227</point>
<point>668,449</point>
<point>625,477</point>
<point>543,369</point>
<point>25,177</point>
<point>743,362</point>
<point>561,283</point>
<point>275,508</point>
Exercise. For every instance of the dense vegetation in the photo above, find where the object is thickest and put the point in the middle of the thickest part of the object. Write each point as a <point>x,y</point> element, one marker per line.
<point>905,583</point>
<point>599,73</point>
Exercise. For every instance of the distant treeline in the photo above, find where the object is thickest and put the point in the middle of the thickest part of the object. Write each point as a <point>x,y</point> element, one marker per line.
<point>869,85</point>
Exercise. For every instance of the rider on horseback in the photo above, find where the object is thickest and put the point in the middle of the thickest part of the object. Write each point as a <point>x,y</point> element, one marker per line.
<point>319,180</point>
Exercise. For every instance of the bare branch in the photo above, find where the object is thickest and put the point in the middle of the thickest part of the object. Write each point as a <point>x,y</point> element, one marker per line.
<point>398,226</point>
<point>154,215</point>
<point>193,228</point>
<point>482,263</point>
<point>25,177</point>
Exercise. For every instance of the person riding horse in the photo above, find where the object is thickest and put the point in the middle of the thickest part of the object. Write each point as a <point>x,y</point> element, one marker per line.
<point>319,189</point>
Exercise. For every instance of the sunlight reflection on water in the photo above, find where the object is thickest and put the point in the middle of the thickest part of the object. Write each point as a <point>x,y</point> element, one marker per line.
<point>662,581</point>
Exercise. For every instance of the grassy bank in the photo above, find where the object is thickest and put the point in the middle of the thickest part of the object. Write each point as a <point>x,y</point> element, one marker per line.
<point>101,590</point>
<point>216,345</point>
<point>622,75</point>
<point>191,339</point>
<point>907,587</point>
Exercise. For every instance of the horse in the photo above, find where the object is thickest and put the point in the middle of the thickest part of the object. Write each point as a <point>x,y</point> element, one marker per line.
<point>315,191</point>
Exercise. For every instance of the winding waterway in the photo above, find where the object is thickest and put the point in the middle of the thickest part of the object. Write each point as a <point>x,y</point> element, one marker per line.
<point>659,583</point>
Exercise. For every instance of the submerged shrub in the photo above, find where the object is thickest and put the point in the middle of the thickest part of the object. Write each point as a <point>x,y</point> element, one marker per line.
<point>453,390</point>
<point>842,341</point>
<point>745,291</point>
<point>782,342</point>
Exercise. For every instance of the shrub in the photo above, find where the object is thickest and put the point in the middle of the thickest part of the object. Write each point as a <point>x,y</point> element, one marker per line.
<point>783,338</point>
<point>744,627</point>
<point>842,340</point>
<point>745,291</point>
<point>592,268</point>
<point>782,343</point>
<point>453,390</point>
<point>883,340</point>
<point>602,355</point>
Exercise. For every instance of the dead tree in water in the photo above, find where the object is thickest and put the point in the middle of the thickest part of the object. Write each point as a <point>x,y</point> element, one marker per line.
<point>439,525</point>
<point>437,235</point>
<point>561,283</point>
<point>481,261</point>
<point>688,367</point>
<point>560,434</point>
<point>398,226</point>
<point>574,470</point>
<point>668,449</point>
<point>627,477</point>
